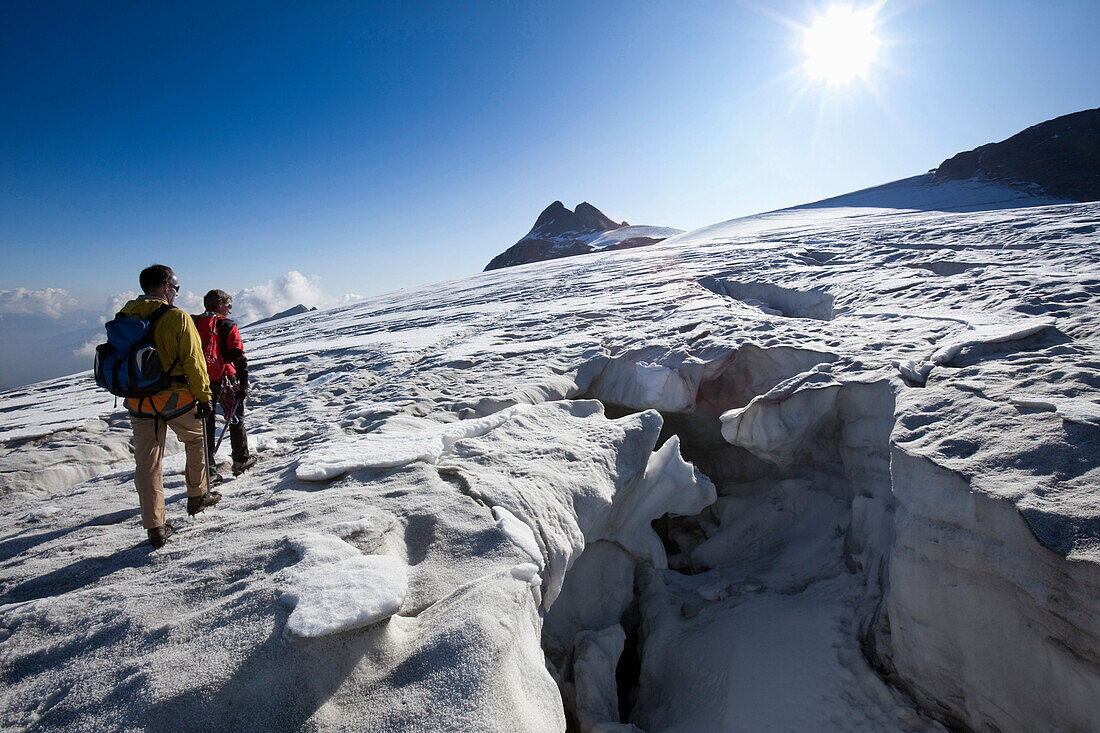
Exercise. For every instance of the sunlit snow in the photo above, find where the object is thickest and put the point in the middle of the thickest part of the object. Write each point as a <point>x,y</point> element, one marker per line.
<point>829,468</point>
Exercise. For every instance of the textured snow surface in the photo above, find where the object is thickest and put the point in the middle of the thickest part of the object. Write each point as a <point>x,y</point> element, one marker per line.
<point>832,468</point>
<point>335,587</point>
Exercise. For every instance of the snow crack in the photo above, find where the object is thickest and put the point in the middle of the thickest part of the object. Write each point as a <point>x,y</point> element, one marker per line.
<point>775,300</point>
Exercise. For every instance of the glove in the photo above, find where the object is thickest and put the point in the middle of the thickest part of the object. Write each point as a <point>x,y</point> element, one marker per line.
<point>204,410</point>
<point>240,394</point>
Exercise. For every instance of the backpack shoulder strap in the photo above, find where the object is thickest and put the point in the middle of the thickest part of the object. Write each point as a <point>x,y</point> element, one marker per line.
<point>155,315</point>
<point>153,318</point>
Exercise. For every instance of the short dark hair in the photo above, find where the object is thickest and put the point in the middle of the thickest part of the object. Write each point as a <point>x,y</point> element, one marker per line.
<point>211,300</point>
<point>154,276</point>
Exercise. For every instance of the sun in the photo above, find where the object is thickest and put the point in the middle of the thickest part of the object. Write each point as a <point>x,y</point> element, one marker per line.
<point>841,44</point>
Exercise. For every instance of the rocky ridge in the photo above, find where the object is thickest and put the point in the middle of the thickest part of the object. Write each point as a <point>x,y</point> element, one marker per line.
<point>1060,157</point>
<point>559,232</point>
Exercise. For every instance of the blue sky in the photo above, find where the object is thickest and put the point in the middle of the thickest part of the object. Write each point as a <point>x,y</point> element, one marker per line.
<point>371,146</point>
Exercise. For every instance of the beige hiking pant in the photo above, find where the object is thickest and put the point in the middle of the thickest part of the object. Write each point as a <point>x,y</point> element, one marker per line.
<point>149,435</point>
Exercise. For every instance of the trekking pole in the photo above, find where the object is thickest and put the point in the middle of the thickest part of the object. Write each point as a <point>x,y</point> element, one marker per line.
<point>206,456</point>
<point>223,386</point>
<point>225,429</point>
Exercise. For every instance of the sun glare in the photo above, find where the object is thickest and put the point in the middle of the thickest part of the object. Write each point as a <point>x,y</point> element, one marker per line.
<point>841,44</point>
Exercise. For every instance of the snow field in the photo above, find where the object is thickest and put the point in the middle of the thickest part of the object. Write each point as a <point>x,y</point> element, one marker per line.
<point>599,491</point>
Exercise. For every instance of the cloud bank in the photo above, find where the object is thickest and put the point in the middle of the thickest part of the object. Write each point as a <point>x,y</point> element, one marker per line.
<point>87,349</point>
<point>51,302</point>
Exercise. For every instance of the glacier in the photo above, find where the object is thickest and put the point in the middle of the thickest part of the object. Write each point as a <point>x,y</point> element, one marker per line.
<point>833,468</point>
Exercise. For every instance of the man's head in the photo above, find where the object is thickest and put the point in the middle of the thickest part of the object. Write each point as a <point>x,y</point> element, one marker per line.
<point>159,280</point>
<point>218,301</point>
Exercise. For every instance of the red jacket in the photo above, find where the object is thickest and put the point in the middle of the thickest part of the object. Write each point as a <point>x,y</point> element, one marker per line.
<point>223,348</point>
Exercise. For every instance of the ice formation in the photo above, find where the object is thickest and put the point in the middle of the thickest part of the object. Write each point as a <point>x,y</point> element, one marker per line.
<point>832,468</point>
<point>336,588</point>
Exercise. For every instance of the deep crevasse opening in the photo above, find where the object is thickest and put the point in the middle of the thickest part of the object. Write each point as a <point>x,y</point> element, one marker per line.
<point>760,618</point>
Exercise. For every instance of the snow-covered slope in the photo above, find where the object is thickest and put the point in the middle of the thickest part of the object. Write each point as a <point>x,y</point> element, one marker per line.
<point>640,235</point>
<point>820,469</point>
<point>926,193</point>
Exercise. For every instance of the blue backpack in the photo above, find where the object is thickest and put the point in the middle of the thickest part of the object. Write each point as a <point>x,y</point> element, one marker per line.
<point>128,364</point>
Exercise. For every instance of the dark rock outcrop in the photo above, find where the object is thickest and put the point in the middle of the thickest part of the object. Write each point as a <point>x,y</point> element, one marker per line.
<point>1060,156</point>
<point>558,232</point>
<point>593,219</point>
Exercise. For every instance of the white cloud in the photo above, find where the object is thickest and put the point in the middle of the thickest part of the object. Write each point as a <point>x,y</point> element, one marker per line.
<point>115,303</point>
<point>87,350</point>
<point>261,301</point>
<point>52,302</point>
<point>190,302</point>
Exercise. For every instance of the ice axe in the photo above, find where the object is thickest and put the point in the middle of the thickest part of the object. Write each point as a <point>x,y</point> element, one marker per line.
<point>230,408</point>
<point>225,428</point>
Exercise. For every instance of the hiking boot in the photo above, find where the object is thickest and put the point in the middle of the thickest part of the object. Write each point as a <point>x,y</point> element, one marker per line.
<point>241,466</point>
<point>196,504</point>
<point>159,535</point>
<point>215,478</point>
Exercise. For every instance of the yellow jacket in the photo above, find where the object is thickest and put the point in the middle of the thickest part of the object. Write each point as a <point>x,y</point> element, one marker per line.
<point>177,341</point>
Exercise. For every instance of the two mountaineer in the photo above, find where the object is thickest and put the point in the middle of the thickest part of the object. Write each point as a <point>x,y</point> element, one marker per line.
<point>157,359</point>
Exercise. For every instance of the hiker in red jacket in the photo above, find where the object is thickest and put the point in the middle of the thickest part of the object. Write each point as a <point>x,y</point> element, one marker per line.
<point>228,369</point>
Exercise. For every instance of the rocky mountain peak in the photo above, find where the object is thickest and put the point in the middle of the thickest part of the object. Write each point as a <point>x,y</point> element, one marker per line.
<point>554,212</point>
<point>559,232</point>
<point>593,219</point>
<point>556,220</point>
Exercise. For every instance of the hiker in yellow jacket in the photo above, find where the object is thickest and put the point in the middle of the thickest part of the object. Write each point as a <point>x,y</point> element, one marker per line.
<point>182,406</point>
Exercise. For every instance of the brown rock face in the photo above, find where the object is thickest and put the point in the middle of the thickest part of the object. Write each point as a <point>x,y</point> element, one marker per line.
<point>1061,156</point>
